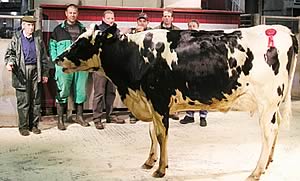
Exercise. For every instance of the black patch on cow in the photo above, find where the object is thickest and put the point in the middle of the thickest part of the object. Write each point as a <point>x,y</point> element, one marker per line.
<point>160,47</point>
<point>290,54</point>
<point>173,37</point>
<point>239,69</point>
<point>248,62</point>
<point>273,121</point>
<point>165,121</point>
<point>280,90</point>
<point>191,103</point>
<point>95,68</point>
<point>82,50</point>
<point>203,65</point>
<point>241,48</point>
<point>271,57</point>
<point>232,62</point>
<point>148,47</point>
<point>231,39</point>
<point>292,50</point>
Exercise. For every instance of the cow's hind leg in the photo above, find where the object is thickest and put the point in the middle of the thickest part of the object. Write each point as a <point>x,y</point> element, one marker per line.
<point>150,162</point>
<point>269,128</point>
<point>272,152</point>
<point>161,126</point>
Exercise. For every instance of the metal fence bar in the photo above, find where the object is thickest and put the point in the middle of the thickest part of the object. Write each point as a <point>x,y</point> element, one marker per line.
<point>10,17</point>
<point>283,17</point>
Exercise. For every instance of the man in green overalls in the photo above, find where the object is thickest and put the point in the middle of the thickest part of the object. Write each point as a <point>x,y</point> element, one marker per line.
<point>61,38</point>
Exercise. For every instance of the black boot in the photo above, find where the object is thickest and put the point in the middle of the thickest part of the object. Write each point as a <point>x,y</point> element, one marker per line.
<point>60,113</point>
<point>203,122</point>
<point>69,116</point>
<point>79,113</point>
<point>187,119</point>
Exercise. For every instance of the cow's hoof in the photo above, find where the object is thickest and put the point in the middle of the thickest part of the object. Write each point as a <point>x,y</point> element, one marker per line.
<point>252,178</point>
<point>147,167</point>
<point>158,174</point>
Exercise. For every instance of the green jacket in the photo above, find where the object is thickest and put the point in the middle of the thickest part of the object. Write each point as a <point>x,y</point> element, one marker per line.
<point>14,55</point>
<point>60,39</point>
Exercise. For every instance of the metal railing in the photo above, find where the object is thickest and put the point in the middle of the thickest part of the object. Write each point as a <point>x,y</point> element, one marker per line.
<point>297,1</point>
<point>248,20</point>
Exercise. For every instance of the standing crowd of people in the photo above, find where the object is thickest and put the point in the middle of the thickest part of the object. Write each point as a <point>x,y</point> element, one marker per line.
<point>26,57</point>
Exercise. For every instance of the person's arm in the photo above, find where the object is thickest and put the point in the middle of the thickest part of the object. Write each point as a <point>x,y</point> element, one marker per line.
<point>53,46</point>
<point>10,55</point>
<point>46,64</point>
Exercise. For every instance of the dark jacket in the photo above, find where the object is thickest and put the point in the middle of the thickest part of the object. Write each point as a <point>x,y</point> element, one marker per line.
<point>103,26</point>
<point>173,27</point>
<point>14,55</point>
<point>61,39</point>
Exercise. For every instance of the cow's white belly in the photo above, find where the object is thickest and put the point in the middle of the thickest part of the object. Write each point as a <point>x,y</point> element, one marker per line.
<point>236,101</point>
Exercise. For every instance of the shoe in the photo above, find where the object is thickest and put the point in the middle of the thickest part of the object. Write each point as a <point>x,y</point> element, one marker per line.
<point>114,119</point>
<point>24,132</point>
<point>82,122</point>
<point>69,119</point>
<point>174,116</point>
<point>79,115</point>
<point>133,120</point>
<point>187,119</point>
<point>61,126</point>
<point>61,119</point>
<point>203,122</point>
<point>99,125</point>
<point>36,130</point>
<point>69,116</point>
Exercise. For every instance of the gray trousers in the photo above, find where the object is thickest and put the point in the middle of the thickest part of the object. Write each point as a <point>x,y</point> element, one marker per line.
<point>29,100</point>
<point>104,92</point>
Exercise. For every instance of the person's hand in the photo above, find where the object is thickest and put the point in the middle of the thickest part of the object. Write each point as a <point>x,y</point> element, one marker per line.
<point>44,80</point>
<point>9,66</point>
<point>125,30</point>
<point>139,28</point>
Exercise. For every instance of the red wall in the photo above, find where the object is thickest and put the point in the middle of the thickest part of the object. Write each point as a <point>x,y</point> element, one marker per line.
<point>129,14</point>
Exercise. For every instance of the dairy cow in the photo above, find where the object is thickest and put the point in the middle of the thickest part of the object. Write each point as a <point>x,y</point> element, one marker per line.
<point>159,72</point>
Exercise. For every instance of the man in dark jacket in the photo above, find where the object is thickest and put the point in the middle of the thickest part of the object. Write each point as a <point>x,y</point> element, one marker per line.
<point>167,21</point>
<point>27,59</point>
<point>61,38</point>
<point>104,89</point>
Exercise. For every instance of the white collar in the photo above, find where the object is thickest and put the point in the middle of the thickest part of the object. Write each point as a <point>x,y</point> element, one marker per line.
<point>26,35</point>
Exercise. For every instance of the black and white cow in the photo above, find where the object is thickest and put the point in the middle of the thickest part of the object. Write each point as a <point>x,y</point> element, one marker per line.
<point>159,72</point>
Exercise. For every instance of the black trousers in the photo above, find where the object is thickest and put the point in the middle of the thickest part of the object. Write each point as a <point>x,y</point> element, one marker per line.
<point>104,92</point>
<point>29,100</point>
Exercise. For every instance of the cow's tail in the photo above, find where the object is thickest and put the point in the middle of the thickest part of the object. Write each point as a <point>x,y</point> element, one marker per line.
<point>286,110</point>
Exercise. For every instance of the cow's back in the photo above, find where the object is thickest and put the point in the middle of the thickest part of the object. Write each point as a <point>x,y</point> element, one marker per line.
<point>222,69</point>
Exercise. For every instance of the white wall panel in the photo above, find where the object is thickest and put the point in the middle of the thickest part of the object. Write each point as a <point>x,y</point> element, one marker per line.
<point>195,4</point>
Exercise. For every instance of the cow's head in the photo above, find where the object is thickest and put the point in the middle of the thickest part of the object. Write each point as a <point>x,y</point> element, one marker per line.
<point>84,53</point>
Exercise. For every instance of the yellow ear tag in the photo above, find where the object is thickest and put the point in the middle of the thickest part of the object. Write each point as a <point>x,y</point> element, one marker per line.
<point>109,36</point>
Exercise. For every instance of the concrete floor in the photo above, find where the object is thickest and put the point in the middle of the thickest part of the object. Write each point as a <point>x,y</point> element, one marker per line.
<point>227,149</point>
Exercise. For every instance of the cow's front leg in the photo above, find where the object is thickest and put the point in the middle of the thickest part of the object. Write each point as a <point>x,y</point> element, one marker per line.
<point>161,126</point>
<point>150,162</point>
